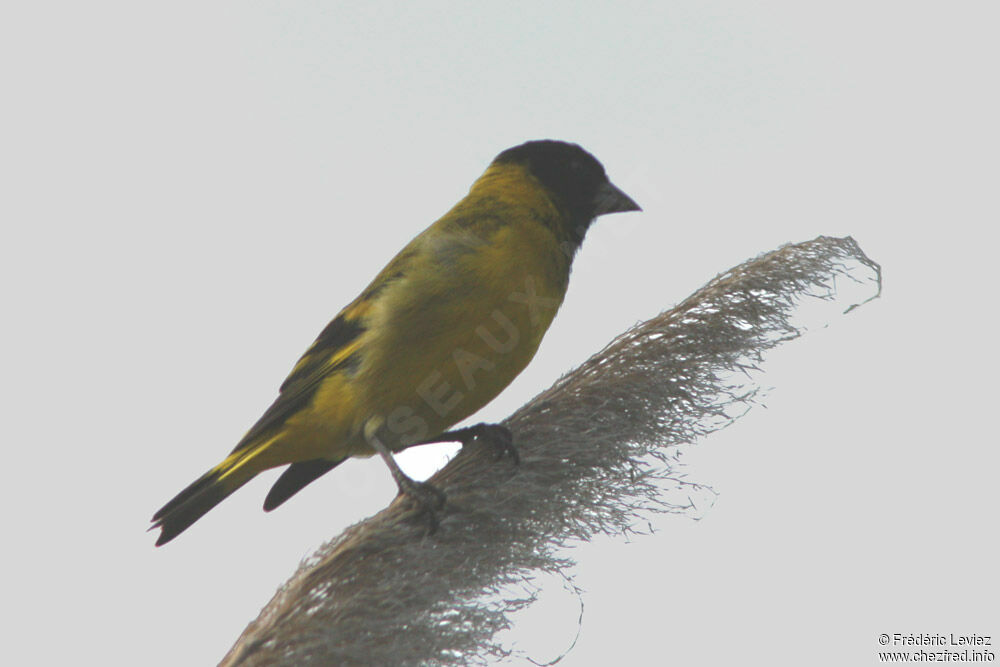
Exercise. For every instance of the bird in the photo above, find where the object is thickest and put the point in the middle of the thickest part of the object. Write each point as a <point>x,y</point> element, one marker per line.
<point>442,329</point>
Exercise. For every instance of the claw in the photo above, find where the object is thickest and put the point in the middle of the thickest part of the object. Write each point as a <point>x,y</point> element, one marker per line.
<point>495,435</point>
<point>428,498</point>
<point>500,438</point>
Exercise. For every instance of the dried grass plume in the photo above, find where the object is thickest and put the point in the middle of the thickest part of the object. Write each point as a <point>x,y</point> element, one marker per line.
<point>595,451</point>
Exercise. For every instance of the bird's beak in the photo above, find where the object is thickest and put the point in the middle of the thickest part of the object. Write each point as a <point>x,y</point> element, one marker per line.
<point>610,199</point>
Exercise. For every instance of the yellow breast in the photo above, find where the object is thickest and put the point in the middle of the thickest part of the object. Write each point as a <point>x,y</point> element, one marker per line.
<point>467,315</point>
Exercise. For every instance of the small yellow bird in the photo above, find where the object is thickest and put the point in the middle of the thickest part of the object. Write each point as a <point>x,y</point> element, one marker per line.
<point>439,332</point>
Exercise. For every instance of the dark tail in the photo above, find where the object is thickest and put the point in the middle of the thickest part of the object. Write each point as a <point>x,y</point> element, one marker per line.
<point>205,493</point>
<point>296,477</point>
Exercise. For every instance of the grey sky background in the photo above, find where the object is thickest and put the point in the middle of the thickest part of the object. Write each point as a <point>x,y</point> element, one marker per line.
<point>192,190</point>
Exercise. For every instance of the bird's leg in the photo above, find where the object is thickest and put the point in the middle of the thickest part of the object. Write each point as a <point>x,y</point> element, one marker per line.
<point>496,435</point>
<point>427,496</point>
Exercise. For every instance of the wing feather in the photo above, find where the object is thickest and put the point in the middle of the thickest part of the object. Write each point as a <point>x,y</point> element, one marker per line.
<point>336,349</point>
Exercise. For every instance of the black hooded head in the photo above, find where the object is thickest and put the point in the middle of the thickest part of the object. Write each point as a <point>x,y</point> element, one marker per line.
<point>574,178</point>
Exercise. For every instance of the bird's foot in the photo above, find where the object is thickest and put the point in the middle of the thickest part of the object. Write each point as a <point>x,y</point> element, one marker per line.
<point>496,436</point>
<point>429,499</point>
